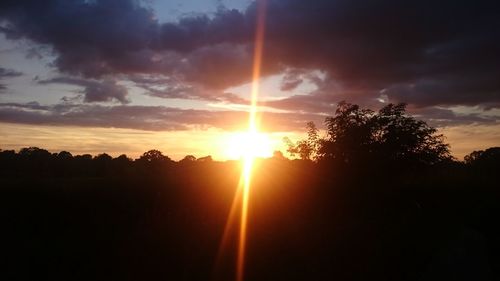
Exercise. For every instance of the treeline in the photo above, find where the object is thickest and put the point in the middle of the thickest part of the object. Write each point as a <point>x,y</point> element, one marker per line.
<point>40,162</point>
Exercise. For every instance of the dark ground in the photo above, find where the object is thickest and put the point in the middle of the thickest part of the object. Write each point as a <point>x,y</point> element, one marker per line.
<point>306,222</point>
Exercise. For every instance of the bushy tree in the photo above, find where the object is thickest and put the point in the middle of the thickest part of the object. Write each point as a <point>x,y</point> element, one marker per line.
<point>488,159</point>
<point>361,136</point>
<point>154,157</point>
<point>349,134</point>
<point>400,137</point>
<point>35,153</point>
<point>64,155</point>
<point>188,159</point>
<point>305,149</point>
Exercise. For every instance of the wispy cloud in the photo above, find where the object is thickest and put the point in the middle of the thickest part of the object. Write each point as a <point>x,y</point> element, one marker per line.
<point>7,73</point>
<point>151,118</point>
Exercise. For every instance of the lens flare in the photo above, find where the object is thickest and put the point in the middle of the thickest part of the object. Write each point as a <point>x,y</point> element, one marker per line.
<point>254,144</point>
<point>252,129</point>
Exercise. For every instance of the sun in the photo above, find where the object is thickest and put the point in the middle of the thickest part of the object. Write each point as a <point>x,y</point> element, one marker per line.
<point>248,145</point>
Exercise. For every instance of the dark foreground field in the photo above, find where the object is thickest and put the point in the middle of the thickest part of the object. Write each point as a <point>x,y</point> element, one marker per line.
<point>306,222</point>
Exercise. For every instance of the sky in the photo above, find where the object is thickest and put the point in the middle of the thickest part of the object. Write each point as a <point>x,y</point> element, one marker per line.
<point>125,76</point>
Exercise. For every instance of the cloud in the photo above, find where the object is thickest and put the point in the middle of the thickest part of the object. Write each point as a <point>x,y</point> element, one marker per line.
<point>447,90</point>
<point>292,79</point>
<point>7,73</point>
<point>161,118</point>
<point>150,118</point>
<point>422,52</point>
<point>170,88</point>
<point>94,90</point>
<point>443,117</point>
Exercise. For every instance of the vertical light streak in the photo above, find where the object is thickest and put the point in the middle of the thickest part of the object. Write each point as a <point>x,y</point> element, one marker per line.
<point>252,129</point>
<point>257,63</point>
<point>243,191</point>
<point>246,174</point>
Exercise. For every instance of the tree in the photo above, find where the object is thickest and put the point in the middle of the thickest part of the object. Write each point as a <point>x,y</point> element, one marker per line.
<point>484,158</point>
<point>123,158</point>
<point>64,155</point>
<point>188,159</point>
<point>34,153</point>
<point>35,160</point>
<point>102,164</point>
<point>363,136</point>
<point>103,158</point>
<point>154,157</point>
<point>402,137</point>
<point>349,134</point>
<point>306,149</point>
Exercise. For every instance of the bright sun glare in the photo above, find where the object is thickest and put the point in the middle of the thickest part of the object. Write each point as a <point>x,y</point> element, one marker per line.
<point>248,145</point>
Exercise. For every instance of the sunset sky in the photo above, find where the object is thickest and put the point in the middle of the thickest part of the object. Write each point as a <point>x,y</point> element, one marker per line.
<point>123,76</point>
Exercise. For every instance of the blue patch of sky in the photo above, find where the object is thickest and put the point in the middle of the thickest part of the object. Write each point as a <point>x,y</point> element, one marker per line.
<point>172,10</point>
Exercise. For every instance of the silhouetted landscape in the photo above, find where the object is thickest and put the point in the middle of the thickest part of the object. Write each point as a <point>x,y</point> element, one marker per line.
<point>249,140</point>
<point>378,197</point>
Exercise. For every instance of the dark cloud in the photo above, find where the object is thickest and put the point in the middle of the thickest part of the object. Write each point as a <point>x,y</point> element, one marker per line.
<point>160,118</point>
<point>94,90</point>
<point>79,31</point>
<point>423,52</point>
<point>94,38</point>
<point>198,31</point>
<point>324,98</point>
<point>151,118</point>
<point>371,46</point>
<point>170,88</point>
<point>7,73</point>
<point>442,117</point>
<point>447,90</point>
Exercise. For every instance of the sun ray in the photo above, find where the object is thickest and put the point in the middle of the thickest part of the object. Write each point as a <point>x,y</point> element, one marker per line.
<point>252,129</point>
<point>257,145</point>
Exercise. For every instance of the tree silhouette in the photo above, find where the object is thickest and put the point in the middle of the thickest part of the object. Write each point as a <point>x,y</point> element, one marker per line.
<point>36,160</point>
<point>64,155</point>
<point>188,159</point>
<point>102,164</point>
<point>154,157</point>
<point>122,159</point>
<point>34,153</point>
<point>485,162</point>
<point>491,154</point>
<point>306,149</point>
<point>401,137</point>
<point>103,158</point>
<point>357,136</point>
<point>349,134</point>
